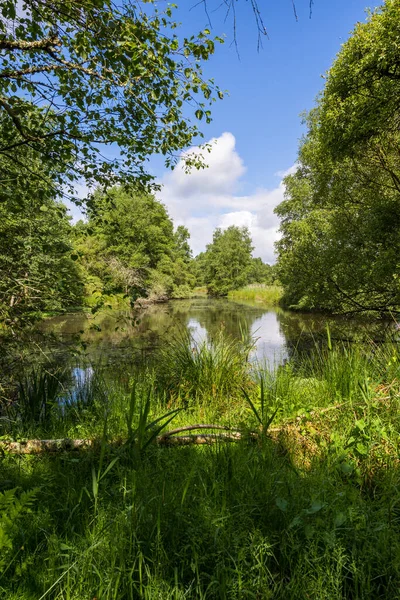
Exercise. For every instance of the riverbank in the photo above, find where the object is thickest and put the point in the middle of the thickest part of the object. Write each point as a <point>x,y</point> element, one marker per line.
<point>264,295</point>
<point>305,504</point>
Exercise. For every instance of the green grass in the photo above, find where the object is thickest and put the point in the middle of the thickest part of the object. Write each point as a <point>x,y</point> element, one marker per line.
<point>311,510</point>
<point>211,371</point>
<point>267,295</point>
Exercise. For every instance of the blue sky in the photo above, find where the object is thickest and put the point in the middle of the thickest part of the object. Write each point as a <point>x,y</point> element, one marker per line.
<point>257,127</point>
<point>269,89</point>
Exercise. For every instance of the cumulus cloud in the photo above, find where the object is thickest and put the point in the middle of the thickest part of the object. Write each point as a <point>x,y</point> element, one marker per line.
<point>288,171</point>
<point>209,198</point>
<point>224,168</point>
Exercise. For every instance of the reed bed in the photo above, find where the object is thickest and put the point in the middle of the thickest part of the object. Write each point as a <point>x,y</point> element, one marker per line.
<point>266,295</point>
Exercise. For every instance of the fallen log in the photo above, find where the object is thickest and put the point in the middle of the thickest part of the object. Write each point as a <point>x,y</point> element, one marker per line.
<point>202,438</point>
<point>75,445</point>
<point>46,446</point>
<point>169,438</point>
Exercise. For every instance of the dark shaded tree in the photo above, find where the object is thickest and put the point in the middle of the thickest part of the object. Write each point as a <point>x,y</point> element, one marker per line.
<point>38,269</point>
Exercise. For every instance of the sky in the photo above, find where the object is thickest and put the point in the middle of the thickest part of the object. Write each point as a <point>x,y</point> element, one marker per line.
<point>256,128</point>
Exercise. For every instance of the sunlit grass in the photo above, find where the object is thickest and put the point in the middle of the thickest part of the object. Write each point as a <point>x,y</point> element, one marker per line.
<point>267,295</point>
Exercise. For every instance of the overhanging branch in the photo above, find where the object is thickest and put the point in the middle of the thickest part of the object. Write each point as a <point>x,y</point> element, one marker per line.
<point>44,44</point>
<point>12,114</point>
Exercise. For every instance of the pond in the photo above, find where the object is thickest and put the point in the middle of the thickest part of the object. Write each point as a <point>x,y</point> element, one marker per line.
<point>117,337</point>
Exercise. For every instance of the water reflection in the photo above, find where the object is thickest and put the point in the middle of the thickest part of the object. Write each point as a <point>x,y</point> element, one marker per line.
<point>116,337</point>
<point>82,376</point>
<point>270,346</point>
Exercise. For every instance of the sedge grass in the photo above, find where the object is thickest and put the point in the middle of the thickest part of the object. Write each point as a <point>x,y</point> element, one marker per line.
<point>266,295</point>
<point>213,371</point>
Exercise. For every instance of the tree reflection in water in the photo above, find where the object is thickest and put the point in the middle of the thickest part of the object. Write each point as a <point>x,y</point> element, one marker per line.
<point>117,338</point>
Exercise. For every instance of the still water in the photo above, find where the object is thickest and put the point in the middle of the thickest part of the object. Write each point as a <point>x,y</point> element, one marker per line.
<point>125,337</point>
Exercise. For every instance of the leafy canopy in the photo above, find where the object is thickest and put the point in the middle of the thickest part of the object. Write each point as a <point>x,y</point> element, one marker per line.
<point>227,261</point>
<point>38,269</point>
<point>129,245</point>
<point>360,103</point>
<point>79,76</point>
<point>340,220</point>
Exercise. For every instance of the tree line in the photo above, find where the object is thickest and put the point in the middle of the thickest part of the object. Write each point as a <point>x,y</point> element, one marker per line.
<point>127,247</point>
<point>340,220</point>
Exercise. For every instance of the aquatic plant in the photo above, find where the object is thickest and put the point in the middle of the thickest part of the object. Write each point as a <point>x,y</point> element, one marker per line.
<point>212,370</point>
<point>267,295</point>
<point>38,391</point>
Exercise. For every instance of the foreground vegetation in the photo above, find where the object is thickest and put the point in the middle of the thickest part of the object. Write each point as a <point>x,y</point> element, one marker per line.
<point>305,504</point>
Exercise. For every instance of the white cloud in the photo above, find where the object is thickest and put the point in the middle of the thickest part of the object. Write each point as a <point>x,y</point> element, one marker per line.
<point>224,168</point>
<point>209,198</point>
<point>288,171</point>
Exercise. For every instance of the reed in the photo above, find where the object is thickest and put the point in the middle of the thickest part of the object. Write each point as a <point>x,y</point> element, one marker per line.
<point>212,370</point>
<point>266,295</point>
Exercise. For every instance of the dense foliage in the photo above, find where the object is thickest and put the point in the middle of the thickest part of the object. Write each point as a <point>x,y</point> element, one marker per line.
<point>129,246</point>
<point>75,76</point>
<point>341,215</point>
<point>227,264</point>
<point>38,271</point>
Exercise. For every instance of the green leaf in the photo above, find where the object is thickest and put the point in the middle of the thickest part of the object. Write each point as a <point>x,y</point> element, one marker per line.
<point>315,507</point>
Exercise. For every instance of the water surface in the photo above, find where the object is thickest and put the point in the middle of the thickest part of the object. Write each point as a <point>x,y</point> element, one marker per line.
<point>117,336</point>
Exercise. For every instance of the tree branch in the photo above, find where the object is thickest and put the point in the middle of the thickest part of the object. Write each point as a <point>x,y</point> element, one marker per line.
<point>10,74</point>
<point>76,66</point>
<point>11,113</point>
<point>45,44</point>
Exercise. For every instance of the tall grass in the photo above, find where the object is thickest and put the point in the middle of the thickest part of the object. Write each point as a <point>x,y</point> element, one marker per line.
<point>38,392</point>
<point>267,295</point>
<point>210,370</point>
<point>310,510</point>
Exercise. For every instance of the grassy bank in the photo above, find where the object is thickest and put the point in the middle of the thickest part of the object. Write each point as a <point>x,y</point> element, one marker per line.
<point>267,295</point>
<point>304,506</point>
